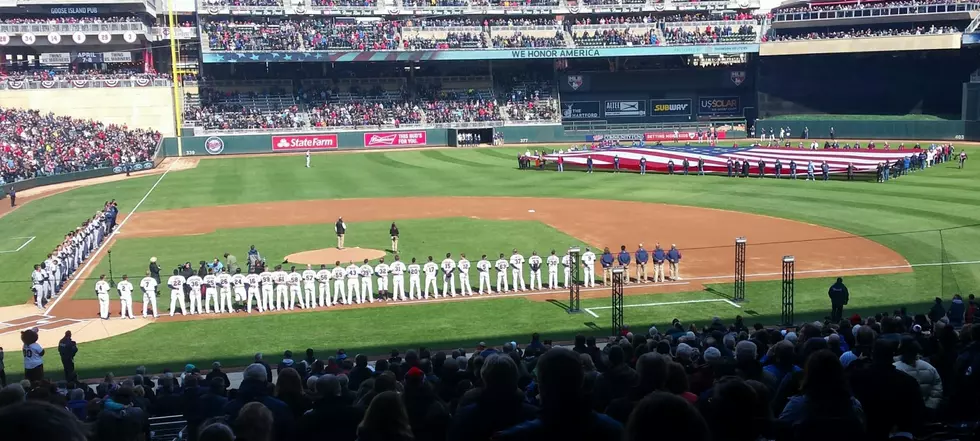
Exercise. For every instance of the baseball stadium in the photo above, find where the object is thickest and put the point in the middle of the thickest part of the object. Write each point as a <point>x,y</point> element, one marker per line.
<point>714,170</point>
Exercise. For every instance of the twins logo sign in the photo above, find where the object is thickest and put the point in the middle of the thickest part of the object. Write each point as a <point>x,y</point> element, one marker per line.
<point>214,145</point>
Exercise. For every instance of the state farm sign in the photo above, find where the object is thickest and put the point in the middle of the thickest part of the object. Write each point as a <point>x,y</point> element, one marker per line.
<point>304,142</point>
<point>394,139</point>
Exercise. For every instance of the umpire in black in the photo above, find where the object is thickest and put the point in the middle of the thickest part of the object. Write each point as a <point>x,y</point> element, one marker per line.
<point>838,298</point>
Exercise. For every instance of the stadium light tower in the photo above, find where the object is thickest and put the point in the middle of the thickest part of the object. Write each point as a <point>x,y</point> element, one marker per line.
<point>175,72</point>
<point>618,277</point>
<point>739,295</point>
<point>789,279</point>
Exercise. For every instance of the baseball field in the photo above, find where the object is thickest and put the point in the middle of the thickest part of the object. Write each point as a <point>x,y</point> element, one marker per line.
<point>900,243</point>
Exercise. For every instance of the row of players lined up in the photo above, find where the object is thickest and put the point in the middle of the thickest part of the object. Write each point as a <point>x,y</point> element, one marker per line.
<point>282,290</point>
<point>49,275</point>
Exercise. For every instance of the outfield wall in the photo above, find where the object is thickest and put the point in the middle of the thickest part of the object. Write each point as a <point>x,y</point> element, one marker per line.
<point>863,131</point>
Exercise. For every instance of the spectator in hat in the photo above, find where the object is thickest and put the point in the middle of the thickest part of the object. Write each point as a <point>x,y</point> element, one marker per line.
<point>216,372</point>
<point>427,415</point>
<point>565,412</point>
<point>255,388</point>
<point>332,417</point>
<point>496,406</point>
<point>287,362</point>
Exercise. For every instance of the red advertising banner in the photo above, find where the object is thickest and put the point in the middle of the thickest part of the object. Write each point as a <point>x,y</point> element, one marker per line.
<point>287,143</point>
<point>681,136</point>
<point>394,139</point>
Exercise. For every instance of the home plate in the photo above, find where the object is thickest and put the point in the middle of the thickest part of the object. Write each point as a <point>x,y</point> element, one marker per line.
<point>530,211</point>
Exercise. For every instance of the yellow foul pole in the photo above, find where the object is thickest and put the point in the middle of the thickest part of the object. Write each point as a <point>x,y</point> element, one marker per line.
<point>178,102</point>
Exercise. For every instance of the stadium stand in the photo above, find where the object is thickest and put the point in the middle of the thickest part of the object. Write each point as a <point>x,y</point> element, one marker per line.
<point>894,375</point>
<point>33,144</point>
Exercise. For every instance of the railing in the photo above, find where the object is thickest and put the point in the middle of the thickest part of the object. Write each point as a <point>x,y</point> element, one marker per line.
<point>712,23</point>
<point>87,28</point>
<point>158,33</point>
<point>972,27</point>
<point>604,126</point>
<point>286,84</point>
<point>201,131</point>
<point>12,84</point>
<point>874,12</point>
<point>410,29</point>
<point>614,26</point>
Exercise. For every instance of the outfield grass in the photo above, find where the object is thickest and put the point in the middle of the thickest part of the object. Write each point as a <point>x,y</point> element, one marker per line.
<point>905,215</point>
<point>425,237</point>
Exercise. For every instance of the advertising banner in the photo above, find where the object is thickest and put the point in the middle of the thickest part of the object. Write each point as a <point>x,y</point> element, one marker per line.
<point>719,105</point>
<point>395,139</point>
<point>571,110</point>
<point>672,107</point>
<point>681,136</point>
<point>55,58</point>
<point>326,141</point>
<point>118,57</point>
<point>621,109</point>
<point>615,137</point>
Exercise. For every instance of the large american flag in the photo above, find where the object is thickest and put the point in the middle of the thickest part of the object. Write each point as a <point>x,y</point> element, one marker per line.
<point>716,158</point>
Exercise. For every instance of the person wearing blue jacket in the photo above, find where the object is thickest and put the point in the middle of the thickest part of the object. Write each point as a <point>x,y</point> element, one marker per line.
<point>809,170</point>
<point>642,257</point>
<point>607,262</point>
<point>674,257</point>
<point>624,261</point>
<point>588,163</point>
<point>825,169</point>
<point>659,256</point>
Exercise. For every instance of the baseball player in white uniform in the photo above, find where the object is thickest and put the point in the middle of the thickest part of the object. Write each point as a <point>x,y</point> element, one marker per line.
<point>307,159</point>
<point>517,270</point>
<point>339,275</point>
<point>295,292</point>
<point>464,276</point>
<point>268,286</point>
<point>398,279</point>
<point>323,276</point>
<point>149,287</point>
<point>381,270</point>
<point>37,285</point>
<point>483,271</point>
<point>353,288</point>
<point>282,288</point>
<point>365,271</point>
<point>552,270</point>
<point>102,293</point>
<point>224,293</point>
<point>448,276</point>
<point>414,274</point>
<point>430,268</point>
<point>125,289</point>
<point>588,263</point>
<point>566,263</point>
<point>502,265</point>
<point>535,263</point>
<point>176,284</point>
<point>195,282</point>
<point>309,286</point>
<point>254,282</point>
<point>210,293</point>
<point>238,285</point>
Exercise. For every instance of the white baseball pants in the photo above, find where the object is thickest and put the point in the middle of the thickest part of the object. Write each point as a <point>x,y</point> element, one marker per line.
<point>413,288</point>
<point>103,305</point>
<point>484,282</point>
<point>196,301</point>
<point>589,276</point>
<point>448,285</point>
<point>354,291</point>
<point>464,285</point>
<point>501,281</point>
<point>309,290</point>
<point>177,297</point>
<point>210,296</point>
<point>325,294</point>
<point>266,301</point>
<point>338,289</point>
<point>553,279</point>
<point>382,285</point>
<point>150,300</point>
<point>366,287</point>
<point>431,281</point>
<point>126,303</point>
<point>225,300</point>
<point>398,288</point>
<point>568,275</point>
<point>295,294</point>
<point>535,277</point>
<point>518,275</point>
<point>282,296</point>
<point>253,294</point>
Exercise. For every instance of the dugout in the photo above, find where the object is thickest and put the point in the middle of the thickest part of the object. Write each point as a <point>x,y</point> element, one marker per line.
<point>471,137</point>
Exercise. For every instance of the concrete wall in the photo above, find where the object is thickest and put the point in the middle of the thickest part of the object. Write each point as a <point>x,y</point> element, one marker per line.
<point>136,107</point>
<point>854,45</point>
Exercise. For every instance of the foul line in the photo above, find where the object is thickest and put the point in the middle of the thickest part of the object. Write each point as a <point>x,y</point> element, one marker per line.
<point>108,239</point>
<point>29,240</point>
<point>681,302</point>
<point>536,292</point>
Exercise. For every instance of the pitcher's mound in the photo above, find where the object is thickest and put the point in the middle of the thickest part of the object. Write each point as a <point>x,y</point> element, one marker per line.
<point>328,256</point>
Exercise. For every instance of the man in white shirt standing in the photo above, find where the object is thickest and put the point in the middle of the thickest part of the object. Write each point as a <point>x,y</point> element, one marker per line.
<point>448,276</point>
<point>254,281</point>
<point>339,275</point>
<point>501,264</point>
<point>430,268</point>
<point>367,290</point>
<point>566,263</point>
<point>323,276</point>
<point>176,284</point>
<point>414,274</point>
<point>381,270</point>
<point>125,289</point>
<point>37,285</point>
<point>588,263</point>
<point>309,286</point>
<point>353,288</point>
<point>295,292</point>
<point>517,271</point>
<point>282,288</point>
<point>464,276</point>
<point>483,269</point>
<point>195,282</point>
<point>307,159</point>
<point>268,287</point>
<point>102,293</point>
<point>224,293</point>
<point>552,270</point>
<point>398,279</point>
<point>535,263</point>
<point>149,287</point>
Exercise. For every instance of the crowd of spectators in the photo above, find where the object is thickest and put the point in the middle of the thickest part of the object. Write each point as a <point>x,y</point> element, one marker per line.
<point>364,114</point>
<point>451,40</point>
<point>321,34</point>
<point>519,40</point>
<point>124,71</point>
<point>435,3</point>
<point>345,3</point>
<point>248,35</point>
<point>306,34</point>
<point>710,35</point>
<point>891,376</point>
<point>244,3</point>
<point>865,33</point>
<point>58,19</point>
<point>864,5</point>
<point>701,16</point>
<point>616,37</point>
<point>33,144</point>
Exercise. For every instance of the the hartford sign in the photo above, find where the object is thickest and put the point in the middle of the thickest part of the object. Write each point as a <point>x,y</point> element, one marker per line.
<point>304,142</point>
<point>395,139</point>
